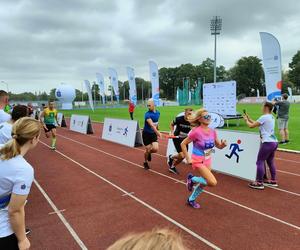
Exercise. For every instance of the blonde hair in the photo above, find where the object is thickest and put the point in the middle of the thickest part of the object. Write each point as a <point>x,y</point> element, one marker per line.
<point>194,119</point>
<point>156,239</point>
<point>23,130</point>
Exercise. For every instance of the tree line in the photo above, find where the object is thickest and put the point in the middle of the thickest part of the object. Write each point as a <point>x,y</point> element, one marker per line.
<point>247,72</point>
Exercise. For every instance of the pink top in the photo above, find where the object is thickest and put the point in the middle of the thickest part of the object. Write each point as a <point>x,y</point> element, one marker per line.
<point>203,140</point>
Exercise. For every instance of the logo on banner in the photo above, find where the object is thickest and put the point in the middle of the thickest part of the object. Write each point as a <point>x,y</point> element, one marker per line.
<point>235,150</point>
<point>154,74</point>
<point>58,93</point>
<point>125,131</point>
<point>114,78</point>
<point>131,78</point>
<point>110,128</point>
<point>275,57</point>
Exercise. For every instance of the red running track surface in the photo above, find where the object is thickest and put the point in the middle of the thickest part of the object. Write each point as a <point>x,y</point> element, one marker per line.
<point>104,193</point>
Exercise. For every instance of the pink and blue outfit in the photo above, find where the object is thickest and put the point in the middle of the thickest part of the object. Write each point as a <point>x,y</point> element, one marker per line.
<point>203,144</point>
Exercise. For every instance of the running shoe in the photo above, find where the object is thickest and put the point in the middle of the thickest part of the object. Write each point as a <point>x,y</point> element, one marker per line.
<point>146,166</point>
<point>53,148</point>
<point>173,170</point>
<point>193,204</point>
<point>149,157</point>
<point>189,182</point>
<point>27,231</point>
<point>287,141</point>
<point>270,183</point>
<point>170,161</point>
<point>282,142</point>
<point>256,185</point>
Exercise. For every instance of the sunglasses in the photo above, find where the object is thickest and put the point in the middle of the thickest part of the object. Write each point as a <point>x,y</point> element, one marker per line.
<point>148,105</point>
<point>206,117</point>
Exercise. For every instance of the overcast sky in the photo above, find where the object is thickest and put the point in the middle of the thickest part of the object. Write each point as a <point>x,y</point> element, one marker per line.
<point>44,43</point>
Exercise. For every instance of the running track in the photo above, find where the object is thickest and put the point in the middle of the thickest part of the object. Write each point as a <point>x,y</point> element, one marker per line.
<point>91,192</point>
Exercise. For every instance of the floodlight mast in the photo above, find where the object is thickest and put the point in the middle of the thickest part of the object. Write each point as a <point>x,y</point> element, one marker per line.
<point>215,28</point>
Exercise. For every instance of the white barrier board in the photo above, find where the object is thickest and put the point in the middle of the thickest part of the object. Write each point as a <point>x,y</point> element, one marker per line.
<point>238,158</point>
<point>61,120</point>
<point>220,97</point>
<point>81,124</point>
<point>125,132</point>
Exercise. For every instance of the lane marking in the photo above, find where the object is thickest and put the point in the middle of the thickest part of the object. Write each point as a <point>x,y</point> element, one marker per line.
<point>62,210</point>
<point>174,179</point>
<point>286,172</point>
<point>128,194</point>
<point>61,217</point>
<point>197,236</point>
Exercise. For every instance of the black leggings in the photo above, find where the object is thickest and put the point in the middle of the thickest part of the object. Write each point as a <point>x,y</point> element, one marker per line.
<point>9,242</point>
<point>131,115</point>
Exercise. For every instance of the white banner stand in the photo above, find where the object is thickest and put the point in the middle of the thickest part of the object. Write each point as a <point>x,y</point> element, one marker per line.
<point>237,159</point>
<point>81,124</point>
<point>125,132</point>
<point>61,120</point>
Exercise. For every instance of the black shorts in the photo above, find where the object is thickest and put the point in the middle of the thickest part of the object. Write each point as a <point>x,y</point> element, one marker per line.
<point>49,127</point>
<point>149,138</point>
<point>9,242</point>
<point>177,142</point>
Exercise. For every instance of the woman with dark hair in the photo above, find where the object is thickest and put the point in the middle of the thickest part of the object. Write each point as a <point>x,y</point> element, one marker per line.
<point>269,144</point>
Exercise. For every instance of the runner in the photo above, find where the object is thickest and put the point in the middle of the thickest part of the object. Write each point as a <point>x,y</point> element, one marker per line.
<point>131,108</point>
<point>16,177</point>
<point>18,112</point>
<point>204,140</point>
<point>48,118</point>
<point>268,147</point>
<point>150,132</point>
<point>183,127</point>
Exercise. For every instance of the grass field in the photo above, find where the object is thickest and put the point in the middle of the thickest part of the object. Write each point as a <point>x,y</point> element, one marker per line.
<point>168,113</point>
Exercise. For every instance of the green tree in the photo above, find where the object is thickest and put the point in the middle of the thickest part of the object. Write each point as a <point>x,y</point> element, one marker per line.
<point>249,75</point>
<point>294,73</point>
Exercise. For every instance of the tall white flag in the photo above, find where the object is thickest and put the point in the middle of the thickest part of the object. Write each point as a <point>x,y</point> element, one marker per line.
<point>89,91</point>
<point>101,84</point>
<point>272,65</point>
<point>132,85</point>
<point>114,81</point>
<point>154,78</point>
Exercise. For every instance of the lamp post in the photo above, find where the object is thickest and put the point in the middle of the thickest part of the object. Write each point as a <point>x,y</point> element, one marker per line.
<point>215,28</point>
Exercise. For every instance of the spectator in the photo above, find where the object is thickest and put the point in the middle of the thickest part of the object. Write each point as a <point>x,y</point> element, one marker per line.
<point>18,112</point>
<point>283,107</point>
<point>4,117</point>
<point>30,109</point>
<point>131,108</point>
<point>269,144</point>
<point>159,239</point>
<point>16,177</point>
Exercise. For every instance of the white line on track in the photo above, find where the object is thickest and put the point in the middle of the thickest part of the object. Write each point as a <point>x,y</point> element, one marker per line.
<point>61,217</point>
<point>174,179</point>
<point>286,172</point>
<point>129,194</point>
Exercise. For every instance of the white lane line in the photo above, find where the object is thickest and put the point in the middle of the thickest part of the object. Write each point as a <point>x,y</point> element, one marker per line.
<point>174,179</point>
<point>61,217</point>
<point>286,172</point>
<point>197,236</point>
<point>282,159</point>
<point>128,194</point>
<point>62,210</point>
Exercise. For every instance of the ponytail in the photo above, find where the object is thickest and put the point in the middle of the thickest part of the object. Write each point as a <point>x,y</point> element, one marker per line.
<point>23,130</point>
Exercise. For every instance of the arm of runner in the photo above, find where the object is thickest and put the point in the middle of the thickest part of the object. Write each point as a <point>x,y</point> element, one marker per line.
<point>184,144</point>
<point>155,129</point>
<point>17,219</point>
<point>172,128</point>
<point>251,123</point>
<point>42,119</point>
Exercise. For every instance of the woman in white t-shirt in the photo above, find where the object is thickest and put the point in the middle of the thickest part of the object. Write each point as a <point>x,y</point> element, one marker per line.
<point>16,177</point>
<point>18,112</point>
<point>269,144</point>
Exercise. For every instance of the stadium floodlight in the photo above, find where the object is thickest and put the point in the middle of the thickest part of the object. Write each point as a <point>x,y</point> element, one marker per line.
<point>215,28</point>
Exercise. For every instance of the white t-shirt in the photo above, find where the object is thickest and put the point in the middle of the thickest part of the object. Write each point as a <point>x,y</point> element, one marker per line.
<point>266,128</point>
<point>5,132</point>
<point>4,117</point>
<point>16,176</point>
